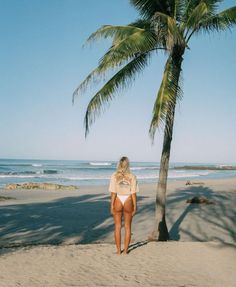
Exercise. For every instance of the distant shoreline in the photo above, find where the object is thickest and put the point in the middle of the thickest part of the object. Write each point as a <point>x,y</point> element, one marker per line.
<point>94,172</point>
<point>206,167</point>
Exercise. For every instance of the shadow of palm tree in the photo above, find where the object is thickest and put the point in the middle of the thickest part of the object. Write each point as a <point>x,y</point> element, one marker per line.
<point>137,245</point>
<point>209,222</point>
<point>174,232</point>
<point>86,219</point>
<point>53,222</point>
<point>71,220</point>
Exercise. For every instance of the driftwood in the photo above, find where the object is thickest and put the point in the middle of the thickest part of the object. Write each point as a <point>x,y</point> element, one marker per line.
<point>2,198</point>
<point>200,200</point>
<point>35,185</point>
<point>188,182</point>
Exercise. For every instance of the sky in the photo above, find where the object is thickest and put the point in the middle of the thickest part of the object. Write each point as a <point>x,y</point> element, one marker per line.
<point>42,62</point>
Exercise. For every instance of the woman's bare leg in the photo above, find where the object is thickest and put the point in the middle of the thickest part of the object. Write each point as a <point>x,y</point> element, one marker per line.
<point>128,209</point>
<point>117,219</point>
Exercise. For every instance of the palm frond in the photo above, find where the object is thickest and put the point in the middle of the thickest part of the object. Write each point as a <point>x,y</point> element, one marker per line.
<point>123,50</point>
<point>179,9</point>
<point>160,105</point>
<point>147,8</point>
<point>212,6</point>
<point>190,5</point>
<point>169,93</point>
<point>198,13</point>
<point>169,28</point>
<point>117,55</point>
<point>140,23</point>
<point>93,78</point>
<point>121,80</point>
<point>106,31</point>
<point>219,22</point>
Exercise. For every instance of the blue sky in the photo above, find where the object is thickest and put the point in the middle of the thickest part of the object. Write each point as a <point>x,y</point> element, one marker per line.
<point>42,62</point>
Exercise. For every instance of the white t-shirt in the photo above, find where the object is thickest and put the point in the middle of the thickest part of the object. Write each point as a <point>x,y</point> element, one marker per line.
<point>126,185</point>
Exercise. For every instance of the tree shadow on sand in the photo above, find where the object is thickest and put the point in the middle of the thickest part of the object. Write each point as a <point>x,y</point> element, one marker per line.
<point>71,220</point>
<point>202,222</point>
<point>86,219</point>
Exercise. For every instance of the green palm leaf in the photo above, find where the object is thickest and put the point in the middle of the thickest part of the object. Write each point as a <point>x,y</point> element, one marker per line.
<point>179,10</point>
<point>198,13</point>
<point>123,50</point>
<point>119,32</point>
<point>168,24</point>
<point>219,22</point>
<point>165,24</point>
<point>121,80</point>
<point>190,5</point>
<point>118,54</point>
<point>169,93</point>
<point>147,8</point>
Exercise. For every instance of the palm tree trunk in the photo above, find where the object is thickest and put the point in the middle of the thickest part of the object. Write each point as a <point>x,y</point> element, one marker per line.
<point>160,231</point>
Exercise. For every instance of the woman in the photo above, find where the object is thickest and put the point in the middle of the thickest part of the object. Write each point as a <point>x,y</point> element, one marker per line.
<point>123,187</point>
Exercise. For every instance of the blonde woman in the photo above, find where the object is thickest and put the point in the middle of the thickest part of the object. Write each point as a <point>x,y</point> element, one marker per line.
<point>123,187</point>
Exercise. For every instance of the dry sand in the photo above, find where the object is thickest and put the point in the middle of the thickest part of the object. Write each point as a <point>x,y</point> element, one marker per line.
<point>75,233</point>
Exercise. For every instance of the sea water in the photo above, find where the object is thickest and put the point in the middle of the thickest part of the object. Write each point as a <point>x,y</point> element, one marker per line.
<point>82,172</point>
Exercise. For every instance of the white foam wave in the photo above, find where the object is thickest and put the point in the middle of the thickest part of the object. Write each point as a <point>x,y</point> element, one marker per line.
<point>147,177</point>
<point>153,175</point>
<point>16,176</point>
<point>85,177</point>
<point>144,167</point>
<point>178,174</point>
<point>102,177</point>
<point>91,177</point>
<point>37,165</point>
<point>100,163</point>
<point>221,165</point>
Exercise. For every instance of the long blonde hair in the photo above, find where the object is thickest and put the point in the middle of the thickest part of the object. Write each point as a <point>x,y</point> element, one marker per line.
<point>122,168</point>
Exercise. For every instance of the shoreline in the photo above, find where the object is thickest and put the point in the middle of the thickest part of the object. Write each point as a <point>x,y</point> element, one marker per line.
<point>103,188</point>
<point>87,173</point>
<point>140,180</point>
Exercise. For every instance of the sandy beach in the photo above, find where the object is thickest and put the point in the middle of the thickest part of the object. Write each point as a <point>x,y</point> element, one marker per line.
<point>65,238</point>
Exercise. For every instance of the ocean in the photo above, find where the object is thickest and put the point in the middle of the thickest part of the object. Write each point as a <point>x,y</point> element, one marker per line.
<point>82,172</point>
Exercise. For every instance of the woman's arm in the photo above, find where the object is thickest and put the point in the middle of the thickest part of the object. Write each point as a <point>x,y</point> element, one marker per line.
<point>113,197</point>
<point>112,189</point>
<point>134,199</point>
<point>134,190</point>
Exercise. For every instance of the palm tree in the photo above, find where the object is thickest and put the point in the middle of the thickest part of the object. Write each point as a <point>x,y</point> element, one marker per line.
<point>166,25</point>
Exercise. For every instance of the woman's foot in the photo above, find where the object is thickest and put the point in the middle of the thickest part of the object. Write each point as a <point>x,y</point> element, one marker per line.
<point>118,252</point>
<point>125,252</point>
